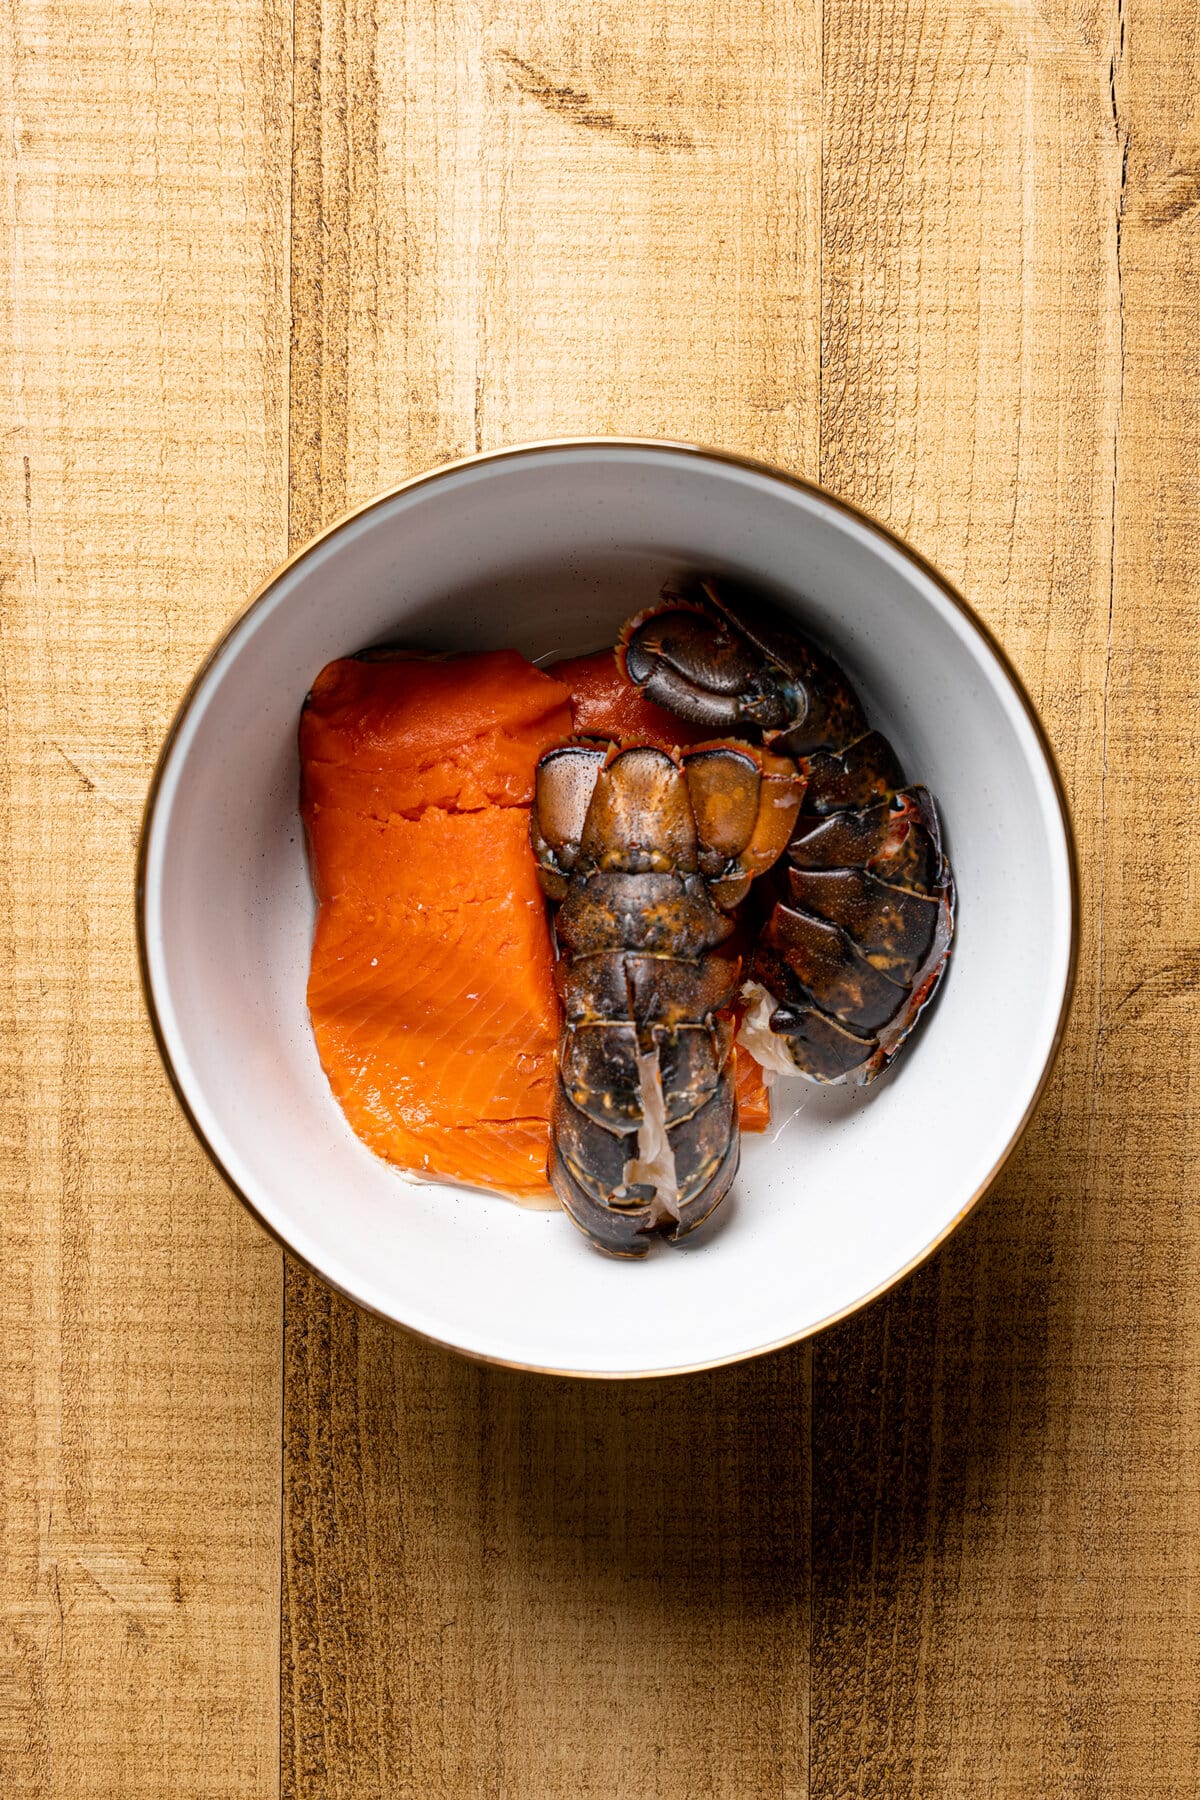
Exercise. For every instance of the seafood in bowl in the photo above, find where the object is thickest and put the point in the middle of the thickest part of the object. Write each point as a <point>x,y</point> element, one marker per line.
<point>550,548</point>
<point>437,1045</point>
<point>648,854</point>
<point>857,940</point>
<point>431,986</point>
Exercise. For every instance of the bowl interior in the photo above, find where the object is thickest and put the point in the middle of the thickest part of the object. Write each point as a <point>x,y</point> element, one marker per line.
<point>548,550</point>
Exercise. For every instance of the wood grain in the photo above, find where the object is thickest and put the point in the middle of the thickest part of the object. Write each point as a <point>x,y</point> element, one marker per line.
<point>947,258</point>
<point>512,223</point>
<point>1006,1459</point>
<point>509,1584</point>
<point>506,225</point>
<point>144,335</point>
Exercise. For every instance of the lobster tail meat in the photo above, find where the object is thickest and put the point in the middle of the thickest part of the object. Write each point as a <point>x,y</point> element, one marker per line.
<point>663,914</point>
<point>687,660</point>
<point>892,927</point>
<point>806,956</point>
<point>859,939</point>
<point>792,690</point>
<point>783,1036</point>
<point>640,819</point>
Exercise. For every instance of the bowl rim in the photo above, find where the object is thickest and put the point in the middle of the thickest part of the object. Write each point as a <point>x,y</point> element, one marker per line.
<point>728,458</point>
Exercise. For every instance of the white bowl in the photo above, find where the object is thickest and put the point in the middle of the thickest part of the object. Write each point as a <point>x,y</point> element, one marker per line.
<point>547,548</point>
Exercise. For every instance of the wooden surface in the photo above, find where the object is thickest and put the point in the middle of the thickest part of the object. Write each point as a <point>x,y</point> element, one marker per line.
<point>944,257</point>
<point>144,488</point>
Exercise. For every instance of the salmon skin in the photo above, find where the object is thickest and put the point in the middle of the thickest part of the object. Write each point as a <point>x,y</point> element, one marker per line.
<point>431,986</point>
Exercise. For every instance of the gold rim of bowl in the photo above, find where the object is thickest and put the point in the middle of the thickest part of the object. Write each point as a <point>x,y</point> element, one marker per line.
<point>731,458</point>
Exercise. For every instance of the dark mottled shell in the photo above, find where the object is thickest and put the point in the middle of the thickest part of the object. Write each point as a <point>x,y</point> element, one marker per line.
<point>685,658</point>
<point>600,1155</point>
<point>824,965</point>
<point>587,1167</point>
<point>690,1063</point>
<point>702,1146</point>
<point>673,991</point>
<point>893,927</point>
<point>599,1071</point>
<point>594,987</point>
<point>705,1200</point>
<point>899,841</point>
<point>647,990</point>
<point>859,940</point>
<point>636,845</point>
<point>825,1048</point>
<point>863,774</point>
<point>825,710</point>
<point>667,914</point>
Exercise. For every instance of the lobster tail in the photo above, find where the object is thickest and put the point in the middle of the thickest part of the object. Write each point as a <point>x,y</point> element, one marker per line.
<point>858,938</point>
<point>856,945</point>
<point>645,852</point>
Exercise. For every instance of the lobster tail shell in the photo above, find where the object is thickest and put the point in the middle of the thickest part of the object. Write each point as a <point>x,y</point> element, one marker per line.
<point>644,851</point>
<point>855,947</point>
<point>826,712</point>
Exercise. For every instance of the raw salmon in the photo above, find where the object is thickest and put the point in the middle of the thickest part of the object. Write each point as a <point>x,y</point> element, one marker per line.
<point>431,987</point>
<point>605,704</point>
<point>395,734</point>
<point>753,1095</point>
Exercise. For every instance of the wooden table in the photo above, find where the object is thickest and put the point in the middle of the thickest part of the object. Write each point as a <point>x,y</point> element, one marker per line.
<point>262,262</point>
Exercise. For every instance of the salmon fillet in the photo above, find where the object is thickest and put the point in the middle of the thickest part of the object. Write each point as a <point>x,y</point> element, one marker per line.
<point>431,985</point>
<point>395,734</point>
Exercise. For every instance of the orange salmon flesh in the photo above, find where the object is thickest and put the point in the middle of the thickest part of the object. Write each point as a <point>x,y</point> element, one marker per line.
<point>431,988</point>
